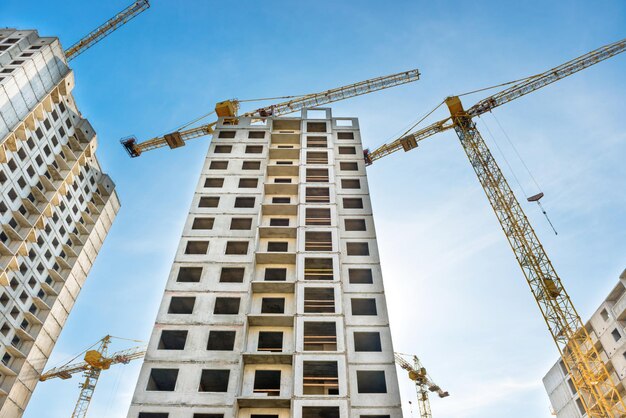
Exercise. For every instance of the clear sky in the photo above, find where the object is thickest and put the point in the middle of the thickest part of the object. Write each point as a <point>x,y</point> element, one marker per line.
<point>455,293</point>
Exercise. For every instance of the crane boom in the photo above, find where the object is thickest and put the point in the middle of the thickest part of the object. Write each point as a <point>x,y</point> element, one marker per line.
<point>597,391</point>
<point>528,85</point>
<point>106,28</point>
<point>229,108</point>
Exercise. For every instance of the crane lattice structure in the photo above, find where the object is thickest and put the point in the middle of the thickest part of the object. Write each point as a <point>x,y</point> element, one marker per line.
<point>94,362</point>
<point>228,110</point>
<point>589,374</point>
<point>423,382</point>
<point>106,28</point>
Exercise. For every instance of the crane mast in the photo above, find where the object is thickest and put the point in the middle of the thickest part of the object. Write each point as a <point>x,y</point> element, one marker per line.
<point>423,383</point>
<point>228,110</point>
<point>106,28</point>
<point>597,391</point>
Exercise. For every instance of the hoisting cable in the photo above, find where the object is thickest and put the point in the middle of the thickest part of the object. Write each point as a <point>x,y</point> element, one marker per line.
<point>536,197</point>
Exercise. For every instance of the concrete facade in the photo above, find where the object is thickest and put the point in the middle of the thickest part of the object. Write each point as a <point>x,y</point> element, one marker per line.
<point>275,304</point>
<point>607,328</point>
<point>56,207</point>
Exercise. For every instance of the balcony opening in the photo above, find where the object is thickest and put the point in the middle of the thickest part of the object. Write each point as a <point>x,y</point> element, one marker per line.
<point>241,224</point>
<point>320,412</point>
<point>316,126</point>
<point>317,216</point>
<point>281,200</point>
<point>277,247</point>
<point>371,381</point>
<point>251,165</point>
<point>352,203</point>
<point>319,300</point>
<point>203,223</point>
<point>345,135</point>
<point>270,341</point>
<point>181,305</point>
<point>273,305</point>
<point>358,248</point>
<point>208,202</point>
<point>221,341</point>
<point>237,247</point>
<point>363,306</point>
<point>318,241</point>
<point>213,380</point>
<point>350,184</point>
<point>355,224</point>
<point>367,341</point>
<point>360,276</point>
<point>317,175</point>
<point>279,222</point>
<point>316,157</point>
<point>232,274</point>
<point>226,306</point>
<point>197,247</point>
<point>162,380</point>
<point>244,202</point>
<point>275,274</point>
<point>318,269</point>
<point>348,166</point>
<point>316,142</point>
<point>267,382</point>
<point>320,378</point>
<point>172,340</point>
<point>214,182</point>
<point>218,165</point>
<point>317,195</point>
<point>320,336</point>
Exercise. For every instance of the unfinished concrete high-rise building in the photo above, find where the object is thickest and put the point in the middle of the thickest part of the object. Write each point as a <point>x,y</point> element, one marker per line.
<point>274,306</point>
<point>56,207</point>
<point>607,328</point>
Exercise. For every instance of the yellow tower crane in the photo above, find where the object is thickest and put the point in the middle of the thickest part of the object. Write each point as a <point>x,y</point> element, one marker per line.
<point>423,382</point>
<point>96,359</point>
<point>589,374</point>
<point>228,110</point>
<point>106,28</point>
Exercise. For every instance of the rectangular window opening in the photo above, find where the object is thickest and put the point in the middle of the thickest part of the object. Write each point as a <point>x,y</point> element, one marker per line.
<point>319,300</point>
<point>320,336</point>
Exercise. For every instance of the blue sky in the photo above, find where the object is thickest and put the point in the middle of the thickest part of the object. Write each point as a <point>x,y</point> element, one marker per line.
<point>456,295</point>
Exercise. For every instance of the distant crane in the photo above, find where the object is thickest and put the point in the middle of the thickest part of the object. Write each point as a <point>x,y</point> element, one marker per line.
<point>105,29</point>
<point>589,374</point>
<point>423,382</point>
<point>228,109</point>
<point>96,360</point>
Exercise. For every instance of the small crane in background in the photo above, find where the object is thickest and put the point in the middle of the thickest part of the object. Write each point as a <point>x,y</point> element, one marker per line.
<point>106,28</point>
<point>423,382</point>
<point>96,359</point>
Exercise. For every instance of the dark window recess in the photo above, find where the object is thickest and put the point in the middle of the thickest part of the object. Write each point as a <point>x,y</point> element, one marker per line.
<point>355,224</point>
<point>263,416</point>
<point>363,307</point>
<point>320,336</point>
<point>319,300</point>
<point>317,175</point>
<point>374,416</point>
<point>153,415</point>
<point>226,306</point>
<point>163,380</point>
<point>209,202</point>
<point>203,223</point>
<point>281,200</point>
<point>320,412</point>
<point>367,341</point>
<point>279,222</point>
<point>270,341</point>
<point>352,203</point>
<point>214,182</point>
<point>273,305</point>
<point>316,157</point>
<point>316,142</point>
<point>218,165</point>
<point>241,224</point>
<point>360,276</point>
<point>371,381</point>
<point>181,305</point>
<point>347,150</point>
<point>267,381</point>
<point>317,195</point>
<point>251,165</point>
<point>318,241</point>
<point>345,135</point>
<point>189,274</point>
<point>316,126</point>
<point>320,378</point>
<point>221,340</point>
<point>358,248</point>
<point>277,247</point>
<point>197,247</point>
<point>244,202</point>
<point>172,340</point>
<point>348,166</point>
<point>227,134</point>
<point>275,274</point>
<point>223,149</point>
<point>350,184</point>
<point>237,247</point>
<point>214,380</point>
<point>318,269</point>
<point>248,183</point>
<point>254,149</point>
<point>208,415</point>
<point>256,134</point>
<point>282,181</point>
<point>232,275</point>
<point>616,335</point>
